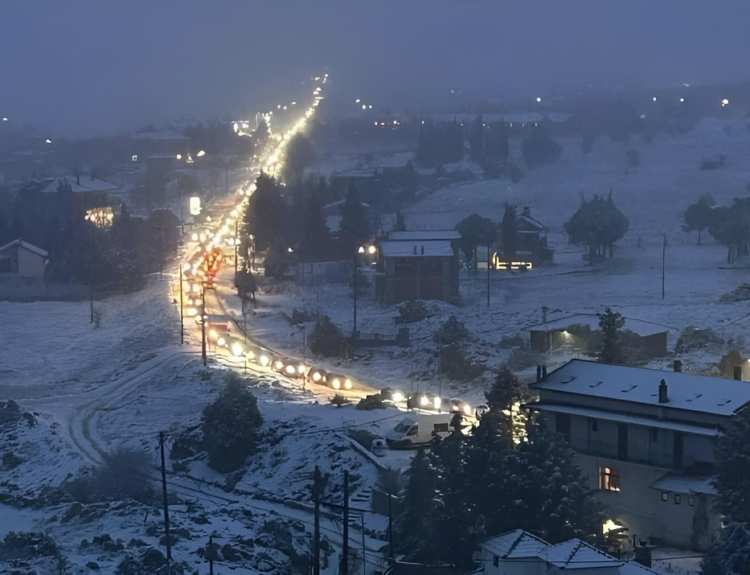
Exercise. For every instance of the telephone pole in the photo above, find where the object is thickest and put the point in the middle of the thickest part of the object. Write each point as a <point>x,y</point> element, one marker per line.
<point>344,568</point>
<point>663,261</point>
<point>164,495</point>
<point>488,275</point>
<point>203,323</point>
<point>182,322</point>
<point>316,532</point>
<point>390,526</point>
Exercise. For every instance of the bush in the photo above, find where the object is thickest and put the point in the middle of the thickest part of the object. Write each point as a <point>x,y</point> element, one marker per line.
<point>339,400</point>
<point>451,332</point>
<point>412,311</point>
<point>692,339</point>
<point>455,364</point>
<point>510,342</point>
<point>326,339</point>
<point>125,474</point>
<point>374,401</point>
<point>230,427</point>
<point>24,545</point>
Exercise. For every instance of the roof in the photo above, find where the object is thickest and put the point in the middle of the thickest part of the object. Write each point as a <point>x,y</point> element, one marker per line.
<point>354,174</point>
<point>686,485</point>
<point>605,415</point>
<point>78,184</point>
<point>517,544</point>
<point>536,224</point>
<point>26,246</point>
<point>640,327</point>
<point>713,395</point>
<point>568,555</point>
<point>416,249</point>
<point>418,235</point>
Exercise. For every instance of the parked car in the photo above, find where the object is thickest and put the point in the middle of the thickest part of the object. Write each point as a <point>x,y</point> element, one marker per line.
<point>317,375</point>
<point>288,367</point>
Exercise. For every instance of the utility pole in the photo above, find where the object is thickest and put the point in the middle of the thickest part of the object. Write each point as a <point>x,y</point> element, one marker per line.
<point>354,331</point>
<point>236,227</point>
<point>488,275</point>
<point>182,321</point>
<point>203,323</point>
<point>390,526</point>
<point>91,299</point>
<point>210,554</point>
<point>663,261</point>
<point>304,352</point>
<point>164,495</point>
<point>344,567</point>
<point>316,532</point>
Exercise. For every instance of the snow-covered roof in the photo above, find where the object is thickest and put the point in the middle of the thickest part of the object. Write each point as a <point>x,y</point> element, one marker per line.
<point>637,326</point>
<point>78,184</point>
<point>26,246</point>
<point>686,485</point>
<point>618,417</point>
<point>419,235</point>
<point>713,395</point>
<point>536,224</point>
<point>517,544</point>
<point>568,555</point>
<point>416,249</point>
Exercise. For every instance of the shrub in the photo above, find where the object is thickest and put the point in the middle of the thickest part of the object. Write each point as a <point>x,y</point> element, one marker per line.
<point>326,339</point>
<point>451,332</point>
<point>339,400</point>
<point>513,341</point>
<point>691,339</point>
<point>125,474</point>
<point>412,311</point>
<point>374,401</point>
<point>455,364</point>
<point>230,425</point>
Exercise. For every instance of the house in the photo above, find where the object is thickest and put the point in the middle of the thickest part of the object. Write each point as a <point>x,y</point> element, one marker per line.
<point>20,259</point>
<point>580,332</point>
<point>418,265</point>
<point>530,245</point>
<point>521,553</point>
<point>645,439</point>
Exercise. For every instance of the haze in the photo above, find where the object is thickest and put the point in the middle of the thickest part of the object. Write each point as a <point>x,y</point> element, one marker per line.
<point>82,67</point>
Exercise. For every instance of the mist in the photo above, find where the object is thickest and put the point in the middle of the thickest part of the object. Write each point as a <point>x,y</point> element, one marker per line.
<point>83,68</point>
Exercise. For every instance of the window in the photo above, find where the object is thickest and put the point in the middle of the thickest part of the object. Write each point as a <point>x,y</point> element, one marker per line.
<point>609,479</point>
<point>691,501</point>
<point>665,497</point>
<point>495,561</point>
<point>677,499</point>
<point>594,425</point>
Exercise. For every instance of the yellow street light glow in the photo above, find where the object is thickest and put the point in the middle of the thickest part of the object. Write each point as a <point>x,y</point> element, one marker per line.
<point>221,341</point>
<point>316,376</point>
<point>398,397</point>
<point>201,154</point>
<point>290,369</point>
<point>212,334</point>
<point>467,409</point>
<point>194,237</point>
<point>372,250</point>
<point>264,360</point>
<point>347,383</point>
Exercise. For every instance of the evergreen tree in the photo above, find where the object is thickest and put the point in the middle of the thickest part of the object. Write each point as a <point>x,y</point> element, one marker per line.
<point>475,231</point>
<point>597,225</point>
<point>299,156</point>
<point>316,239</point>
<point>730,226</point>
<point>264,213</point>
<point>730,554</point>
<point>326,338</point>
<point>415,529</point>
<point>699,215</point>
<point>509,231</point>
<point>732,463</point>
<point>610,323</point>
<point>355,225</point>
<point>506,390</point>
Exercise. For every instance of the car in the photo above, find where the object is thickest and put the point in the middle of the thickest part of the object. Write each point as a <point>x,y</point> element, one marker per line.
<point>259,355</point>
<point>317,375</point>
<point>460,406</point>
<point>392,396</point>
<point>288,367</point>
<point>338,381</point>
<point>427,400</point>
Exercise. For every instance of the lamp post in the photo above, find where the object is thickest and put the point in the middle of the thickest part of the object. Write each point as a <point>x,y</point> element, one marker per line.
<point>361,250</point>
<point>182,323</point>
<point>203,323</point>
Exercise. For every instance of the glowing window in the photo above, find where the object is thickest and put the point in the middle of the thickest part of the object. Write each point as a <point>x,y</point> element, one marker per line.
<point>609,479</point>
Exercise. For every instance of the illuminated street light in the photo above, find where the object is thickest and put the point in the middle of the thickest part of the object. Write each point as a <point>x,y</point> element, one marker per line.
<point>178,156</point>
<point>682,99</point>
<point>538,99</point>
<point>364,107</point>
<point>372,249</point>
<point>724,102</point>
<point>654,98</point>
<point>48,141</point>
<point>5,119</point>
<point>357,101</point>
<point>201,154</point>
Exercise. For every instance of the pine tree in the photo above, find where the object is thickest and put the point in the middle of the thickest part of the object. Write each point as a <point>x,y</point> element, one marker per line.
<point>730,554</point>
<point>264,212</point>
<point>610,323</point>
<point>355,226</point>
<point>732,463</point>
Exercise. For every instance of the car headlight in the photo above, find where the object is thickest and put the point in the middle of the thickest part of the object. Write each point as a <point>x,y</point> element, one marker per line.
<point>264,360</point>
<point>398,397</point>
<point>347,384</point>
<point>424,401</point>
<point>236,349</point>
<point>316,376</point>
<point>290,369</point>
<point>336,384</point>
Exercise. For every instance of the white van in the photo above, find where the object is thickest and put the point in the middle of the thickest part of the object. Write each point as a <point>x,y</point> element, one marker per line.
<point>428,427</point>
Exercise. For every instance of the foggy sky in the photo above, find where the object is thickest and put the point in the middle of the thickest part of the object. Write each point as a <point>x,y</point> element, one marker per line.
<point>79,67</point>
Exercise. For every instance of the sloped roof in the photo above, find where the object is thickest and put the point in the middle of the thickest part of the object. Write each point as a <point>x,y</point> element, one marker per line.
<point>26,246</point>
<point>536,224</point>
<point>638,326</point>
<point>416,249</point>
<point>683,484</point>
<point>713,395</point>
<point>78,184</point>
<point>516,544</point>
<point>419,235</point>
<point>576,554</point>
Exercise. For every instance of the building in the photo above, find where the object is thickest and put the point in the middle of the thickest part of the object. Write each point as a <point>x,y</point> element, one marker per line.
<point>20,259</point>
<point>521,553</point>
<point>581,332</point>
<point>418,265</point>
<point>645,439</point>
<point>530,243</point>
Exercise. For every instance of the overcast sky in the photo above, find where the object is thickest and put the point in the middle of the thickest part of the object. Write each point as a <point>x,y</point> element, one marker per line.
<point>79,67</point>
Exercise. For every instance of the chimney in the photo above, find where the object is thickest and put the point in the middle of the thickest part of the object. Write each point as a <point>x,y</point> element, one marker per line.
<point>78,178</point>
<point>663,392</point>
<point>678,366</point>
<point>541,372</point>
<point>737,372</point>
<point>527,211</point>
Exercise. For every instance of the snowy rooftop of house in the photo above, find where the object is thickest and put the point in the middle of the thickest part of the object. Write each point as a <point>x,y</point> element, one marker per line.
<point>638,326</point>
<point>568,555</point>
<point>26,246</point>
<point>424,235</point>
<point>416,249</point>
<point>686,485</point>
<point>78,184</point>
<point>712,395</point>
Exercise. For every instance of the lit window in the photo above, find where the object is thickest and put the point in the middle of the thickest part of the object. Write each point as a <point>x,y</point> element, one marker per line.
<point>609,479</point>
<point>665,497</point>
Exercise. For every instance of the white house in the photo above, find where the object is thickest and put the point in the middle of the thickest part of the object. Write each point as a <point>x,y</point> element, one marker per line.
<point>521,553</point>
<point>645,439</point>
<point>20,259</point>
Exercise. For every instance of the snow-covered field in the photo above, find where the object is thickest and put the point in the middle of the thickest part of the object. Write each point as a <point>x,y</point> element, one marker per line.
<point>92,389</point>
